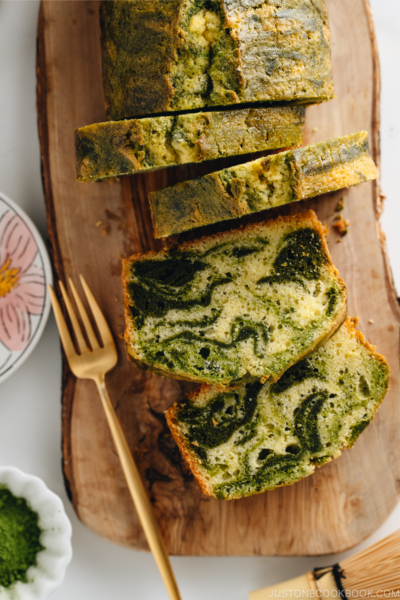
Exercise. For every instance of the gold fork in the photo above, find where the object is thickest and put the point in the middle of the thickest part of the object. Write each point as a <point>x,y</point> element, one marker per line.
<point>93,363</point>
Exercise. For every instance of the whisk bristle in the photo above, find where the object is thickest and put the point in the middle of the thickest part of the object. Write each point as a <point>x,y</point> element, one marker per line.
<point>374,572</point>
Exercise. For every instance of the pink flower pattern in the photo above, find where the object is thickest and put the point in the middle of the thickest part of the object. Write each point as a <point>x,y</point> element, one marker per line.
<point>22,284</point>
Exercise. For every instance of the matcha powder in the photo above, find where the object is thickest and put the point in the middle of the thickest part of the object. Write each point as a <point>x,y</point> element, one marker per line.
<point>19,538</point>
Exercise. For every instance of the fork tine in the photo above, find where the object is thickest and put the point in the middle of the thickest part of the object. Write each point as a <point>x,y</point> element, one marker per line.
<point>101,323</point>
<point>66,340</point>
<point>85,319</point>
<point>74,321</point>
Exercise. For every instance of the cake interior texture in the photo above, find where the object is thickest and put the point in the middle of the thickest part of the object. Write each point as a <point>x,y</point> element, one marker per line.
<point>199,53</point>
<point>263,184</point>
<point>258,437</point>
<point>115,148</point>
<point>247,303</point>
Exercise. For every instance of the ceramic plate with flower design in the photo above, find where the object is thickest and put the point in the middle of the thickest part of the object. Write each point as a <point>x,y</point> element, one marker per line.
<point>25,272</point>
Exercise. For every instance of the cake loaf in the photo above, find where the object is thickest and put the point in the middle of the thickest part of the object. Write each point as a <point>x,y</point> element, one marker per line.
<point>258,437</point>
<point>178,55</point>
<point>122,147</point>
<point>262,184</point>
<point>245,303</point>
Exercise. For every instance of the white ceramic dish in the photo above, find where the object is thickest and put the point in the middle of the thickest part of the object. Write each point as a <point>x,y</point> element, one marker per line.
<point>25,271</point>
<point>52,562</point>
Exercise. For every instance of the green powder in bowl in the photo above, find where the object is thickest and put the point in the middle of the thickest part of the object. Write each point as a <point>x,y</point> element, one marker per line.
<point>35,537</point>
<point>19,538</point>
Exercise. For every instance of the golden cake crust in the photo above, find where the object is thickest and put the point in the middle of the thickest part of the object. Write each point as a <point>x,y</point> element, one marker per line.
<point>224,53</point>
<point>262,184</point>
<point>116,148</point>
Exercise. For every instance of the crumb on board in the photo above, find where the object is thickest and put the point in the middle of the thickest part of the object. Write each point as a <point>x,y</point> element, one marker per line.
<point>339,241</point>
<point>315,129</point>
<point>326,228</point>
<point>342,226</point>
<point>105,230</point>
<point>340,205</point>
<point>98,223</point>
<point>371,321</point>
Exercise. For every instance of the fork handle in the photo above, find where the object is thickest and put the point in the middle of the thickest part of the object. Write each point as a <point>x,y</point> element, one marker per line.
<point>139,495</point>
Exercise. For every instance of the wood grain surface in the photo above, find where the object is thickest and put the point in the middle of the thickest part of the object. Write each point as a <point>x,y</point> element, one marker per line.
<point>344,501</point>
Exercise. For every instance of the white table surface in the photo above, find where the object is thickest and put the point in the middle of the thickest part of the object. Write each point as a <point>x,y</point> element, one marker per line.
<point>30,411</point>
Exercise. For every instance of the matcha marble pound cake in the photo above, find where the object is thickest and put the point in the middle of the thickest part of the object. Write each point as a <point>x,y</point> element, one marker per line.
<point>264,183</point>
<point>121,147</point>
<point>241,304</point>
<point>178,55</point>
<point>258,437</point>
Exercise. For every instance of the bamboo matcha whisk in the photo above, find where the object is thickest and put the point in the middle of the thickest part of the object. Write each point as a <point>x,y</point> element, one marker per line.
<point>372,573</point>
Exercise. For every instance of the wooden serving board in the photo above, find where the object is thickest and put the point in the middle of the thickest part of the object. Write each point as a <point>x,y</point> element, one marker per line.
<point>344,501</point>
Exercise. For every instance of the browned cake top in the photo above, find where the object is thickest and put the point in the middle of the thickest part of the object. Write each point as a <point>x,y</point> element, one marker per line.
<point>181,55</point>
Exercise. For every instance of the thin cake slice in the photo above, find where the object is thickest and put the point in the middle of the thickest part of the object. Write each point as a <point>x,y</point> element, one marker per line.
<point>259,437</point>
<point>122,147</point>
<point>262,184</point>
<point>246,303</point>
<point>177,55</point>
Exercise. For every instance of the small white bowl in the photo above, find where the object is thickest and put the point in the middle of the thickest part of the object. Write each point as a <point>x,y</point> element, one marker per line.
<point>56,529</point>
<point>25,272</point>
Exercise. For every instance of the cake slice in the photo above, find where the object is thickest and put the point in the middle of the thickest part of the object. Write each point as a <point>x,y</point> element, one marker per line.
<point>264,183</point>
<point>118,148</point>
<point>245,303</point>
<point>178,55</point>
<point>258,437</point>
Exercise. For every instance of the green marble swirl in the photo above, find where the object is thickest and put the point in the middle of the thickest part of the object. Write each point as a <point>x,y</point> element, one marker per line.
<point>214,424</point>
<point>194,353</point>
<point>281,468</point>
<point>301,371</point>
<point>277,432</point>
<point>176,295</point>
<point>300,259</point>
